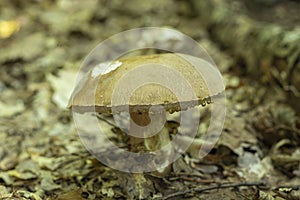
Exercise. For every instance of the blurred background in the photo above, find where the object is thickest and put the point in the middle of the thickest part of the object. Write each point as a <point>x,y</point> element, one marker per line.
<point>255,44</point>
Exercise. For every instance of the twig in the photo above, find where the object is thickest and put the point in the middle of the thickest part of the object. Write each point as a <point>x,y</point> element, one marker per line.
<point>105,120</point>
<point>213,187</point>
<point>191,179</point>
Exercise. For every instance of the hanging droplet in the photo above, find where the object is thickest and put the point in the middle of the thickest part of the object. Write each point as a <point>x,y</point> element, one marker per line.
<point>203,103</point>
<point>208,100</point>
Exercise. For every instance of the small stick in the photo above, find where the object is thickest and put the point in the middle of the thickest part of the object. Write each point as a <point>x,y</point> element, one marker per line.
<point>190,179</point>
<point>213,187</point>
<point>105,120</point>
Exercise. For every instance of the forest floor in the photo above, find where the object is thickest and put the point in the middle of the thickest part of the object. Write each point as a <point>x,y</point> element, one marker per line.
<point>43,44</point>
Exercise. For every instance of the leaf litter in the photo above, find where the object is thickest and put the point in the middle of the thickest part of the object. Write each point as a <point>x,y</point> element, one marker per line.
<point>41,156</point>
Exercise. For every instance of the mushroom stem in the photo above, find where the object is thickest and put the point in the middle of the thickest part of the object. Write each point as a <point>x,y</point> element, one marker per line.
<point>143,186</point>
<point>157,142</point>
<point>151,140</point>
<point>140,119</point>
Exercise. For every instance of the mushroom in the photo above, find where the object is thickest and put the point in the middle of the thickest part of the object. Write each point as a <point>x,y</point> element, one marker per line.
<point>141,90</point>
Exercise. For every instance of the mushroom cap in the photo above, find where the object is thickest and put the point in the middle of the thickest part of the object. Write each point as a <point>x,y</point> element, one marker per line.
<point>107,86</point>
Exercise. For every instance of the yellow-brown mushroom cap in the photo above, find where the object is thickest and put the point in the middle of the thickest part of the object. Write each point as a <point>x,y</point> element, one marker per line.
<point>95,92</point>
